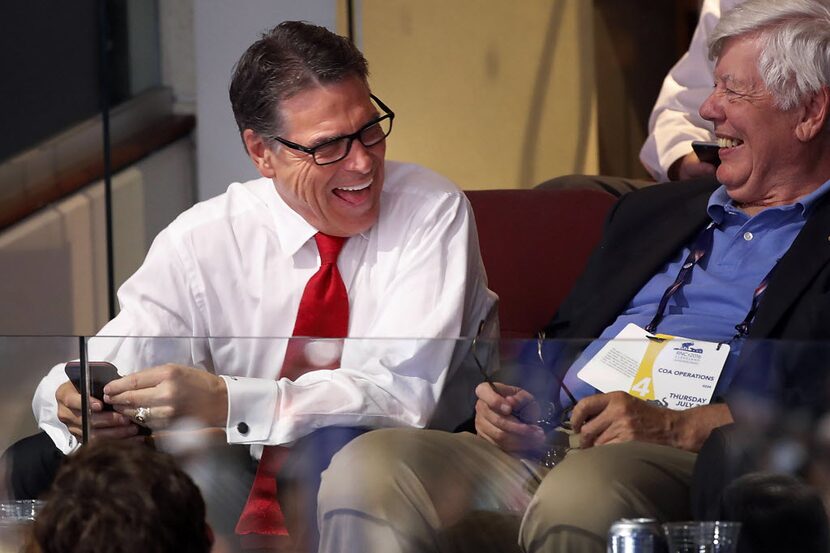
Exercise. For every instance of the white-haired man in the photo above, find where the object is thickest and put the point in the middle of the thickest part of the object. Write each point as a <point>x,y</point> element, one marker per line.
<point>701,260</point>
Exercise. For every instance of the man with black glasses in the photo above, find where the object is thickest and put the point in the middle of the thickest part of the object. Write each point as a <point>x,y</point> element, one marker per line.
<point>332,242</point>
<point>718,263</point>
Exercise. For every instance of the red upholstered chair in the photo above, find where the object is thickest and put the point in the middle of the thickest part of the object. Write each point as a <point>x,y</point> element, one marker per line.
<point>535,244</point>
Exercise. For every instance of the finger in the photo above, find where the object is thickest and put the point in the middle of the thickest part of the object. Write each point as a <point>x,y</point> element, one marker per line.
<point>109,419</point>
<point>115,433</point>
<point>703,169</point>
<point>525,407</point>
<point>158,418</point>
<point>68,396</point>
<point>145,397</point>
<point>511,441</point>
<point>136,381</point>
<point>482,430</point>
<point>586,408</point>
<point>492,434</point>
<point>520,399</point>
<point>508,424</point>
<point>591,435</point>
<point>693,167</point>
<point>593,429</point>
<point>72,419</point>
<point>493,396</point>
<point>76,431</point>
<point>515,397</point>
<point>506,390</point>
<point>611,435</point>
<point>156,412</point>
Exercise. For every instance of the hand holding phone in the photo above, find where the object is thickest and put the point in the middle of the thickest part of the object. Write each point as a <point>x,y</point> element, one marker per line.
<point>101,373</point>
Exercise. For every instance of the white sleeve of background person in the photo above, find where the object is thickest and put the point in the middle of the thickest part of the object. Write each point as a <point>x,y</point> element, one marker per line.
<point>675,122</point>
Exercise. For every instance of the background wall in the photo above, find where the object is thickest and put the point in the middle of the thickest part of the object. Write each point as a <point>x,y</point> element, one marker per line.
<point>54,262</point>
<point>54,272</point>
<point>222,31</point>
<point>493,95</point>
<point>505,103</point>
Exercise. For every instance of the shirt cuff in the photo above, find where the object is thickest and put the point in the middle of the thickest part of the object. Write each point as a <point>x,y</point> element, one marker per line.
<point>62,438</point>
<point>252,403</point>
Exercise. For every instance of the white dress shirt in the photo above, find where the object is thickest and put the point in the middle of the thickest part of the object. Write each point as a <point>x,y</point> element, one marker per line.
<point>229,274</point>
<point>675,122</point>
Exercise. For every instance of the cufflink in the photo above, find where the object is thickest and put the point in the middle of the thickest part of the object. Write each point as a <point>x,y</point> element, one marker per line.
<point>242,428</point>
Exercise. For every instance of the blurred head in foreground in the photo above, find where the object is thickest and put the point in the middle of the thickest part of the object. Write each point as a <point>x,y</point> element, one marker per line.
<point>125,497</point>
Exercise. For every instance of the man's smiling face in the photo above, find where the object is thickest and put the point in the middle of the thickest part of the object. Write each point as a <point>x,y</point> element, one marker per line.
<point>758,141</point>
<point>341,199</point>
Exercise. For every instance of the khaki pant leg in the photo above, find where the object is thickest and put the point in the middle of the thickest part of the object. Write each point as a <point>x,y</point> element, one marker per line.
<point>580,498</point>
<point>401,489</point>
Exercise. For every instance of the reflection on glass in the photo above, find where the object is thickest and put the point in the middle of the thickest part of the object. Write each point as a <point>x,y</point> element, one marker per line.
<point>777,395</point>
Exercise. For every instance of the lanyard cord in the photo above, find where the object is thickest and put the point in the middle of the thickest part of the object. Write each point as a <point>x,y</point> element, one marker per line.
<point>703,244</point>
<point>744,326</point>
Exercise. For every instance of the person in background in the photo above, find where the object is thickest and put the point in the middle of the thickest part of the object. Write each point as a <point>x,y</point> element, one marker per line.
<point>675,121</point>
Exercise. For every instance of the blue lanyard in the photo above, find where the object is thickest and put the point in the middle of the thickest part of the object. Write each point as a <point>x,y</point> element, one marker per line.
<point>702,244</point>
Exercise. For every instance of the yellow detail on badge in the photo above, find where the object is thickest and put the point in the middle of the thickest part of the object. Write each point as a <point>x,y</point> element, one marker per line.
<point>643,386</point>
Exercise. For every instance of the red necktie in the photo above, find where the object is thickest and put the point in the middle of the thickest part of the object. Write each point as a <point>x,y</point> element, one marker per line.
<point>323,313</point>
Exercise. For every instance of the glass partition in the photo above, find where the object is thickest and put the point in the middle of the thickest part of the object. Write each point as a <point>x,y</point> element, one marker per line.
<point>24,361</point>
<point>776,391</point>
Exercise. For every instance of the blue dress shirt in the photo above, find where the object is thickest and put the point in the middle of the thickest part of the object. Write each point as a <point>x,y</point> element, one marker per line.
<point>718,294</point>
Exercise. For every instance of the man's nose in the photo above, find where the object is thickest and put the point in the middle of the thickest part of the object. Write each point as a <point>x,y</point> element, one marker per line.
<point>710,109</point>
<point>359,159</point>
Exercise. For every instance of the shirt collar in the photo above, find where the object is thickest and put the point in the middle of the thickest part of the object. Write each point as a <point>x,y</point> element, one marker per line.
<point>293,231</point>
<point>720,202</point>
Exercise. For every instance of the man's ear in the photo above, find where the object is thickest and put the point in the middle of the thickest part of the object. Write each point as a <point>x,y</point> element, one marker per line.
<point>259,152</point>
<point>816,109</point>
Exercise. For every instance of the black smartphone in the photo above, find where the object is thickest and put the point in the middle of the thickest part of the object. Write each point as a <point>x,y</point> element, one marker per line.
<point>707,152</point>
<point>101,373</point>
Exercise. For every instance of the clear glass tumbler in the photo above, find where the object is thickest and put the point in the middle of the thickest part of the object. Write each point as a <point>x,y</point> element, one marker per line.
<point>16,518</point>
<point>702,537</point>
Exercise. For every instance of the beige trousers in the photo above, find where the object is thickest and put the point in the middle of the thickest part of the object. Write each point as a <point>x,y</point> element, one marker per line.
<point>411,490</point>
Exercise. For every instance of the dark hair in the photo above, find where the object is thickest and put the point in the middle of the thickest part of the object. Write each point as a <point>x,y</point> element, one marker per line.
<point>122,496</point>
<point>289,58</point>
<point>777,513</point>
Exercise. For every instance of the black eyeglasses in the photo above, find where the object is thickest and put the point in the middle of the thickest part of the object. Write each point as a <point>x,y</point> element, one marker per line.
<point>553,416</point>
<point>337,148</point>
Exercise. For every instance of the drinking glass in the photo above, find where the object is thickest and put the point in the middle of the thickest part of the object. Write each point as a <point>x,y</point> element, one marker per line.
<point>16,518</point>
<point>702,537</point>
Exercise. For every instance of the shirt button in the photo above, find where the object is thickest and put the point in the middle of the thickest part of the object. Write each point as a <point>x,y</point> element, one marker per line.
<point>242,428</point>
<point>748,236</point>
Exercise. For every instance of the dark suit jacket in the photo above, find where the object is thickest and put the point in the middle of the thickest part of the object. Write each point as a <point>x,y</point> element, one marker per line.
<point>649,226</point>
